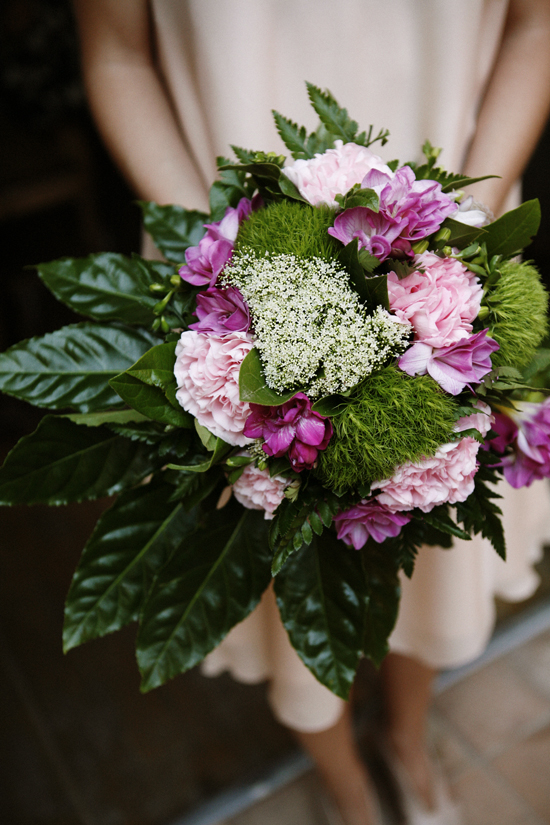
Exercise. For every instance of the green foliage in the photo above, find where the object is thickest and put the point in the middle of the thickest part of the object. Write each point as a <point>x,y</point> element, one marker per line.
<point>62,462</point>
<point>513,231</point>
<point>72,366</point>
<point>295,522</point>
<point>107,286</point>
<point>383,591</point>
<point>214,581</point>
<point>252,383</point>
<point>149,387</point>
<point>131,542</point>
<point>337,121</point>
<point>173,228</point>
<point>322,599</point>
<point>228,191</point>
<point>518,305</point>
<point>479,513</point>
<point>390,418</point>
<point>291,228</point>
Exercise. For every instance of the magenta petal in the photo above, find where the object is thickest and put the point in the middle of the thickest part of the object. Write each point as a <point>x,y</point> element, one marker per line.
<point>311,430</point>
<point>280,441</point>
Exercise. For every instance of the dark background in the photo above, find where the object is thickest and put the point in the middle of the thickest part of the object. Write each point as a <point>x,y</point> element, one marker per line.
<point>80,744</point>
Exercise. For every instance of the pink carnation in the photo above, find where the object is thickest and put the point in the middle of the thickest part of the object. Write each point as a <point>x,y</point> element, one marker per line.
<point>448,477</point>
<point>334,172</point>
<point>256,490</point>
<point>207,374</point>
<point>441,302</point>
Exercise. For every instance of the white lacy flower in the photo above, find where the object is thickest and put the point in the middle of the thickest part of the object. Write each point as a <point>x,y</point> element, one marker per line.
<point>312,331</point>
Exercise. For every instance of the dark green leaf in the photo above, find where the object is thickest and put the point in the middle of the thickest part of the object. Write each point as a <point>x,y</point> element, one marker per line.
<point>321,594</point>
<point>373,291</point>
<point>383,593</point>
<point>72,366</point>
<point>334,117</point>
<point>362,197</point>
<point>331,405</point>
<point>149,386</point>
<point>173,228</point>
<point>116,417</point>
<point>150,401</point>
<point>439,518</point>
<point>293,136</point>
<point>252,383</point>
<point>130,543</point>
<point>513,231</point>
<point>62,462</point>
<point>220,449</point>
<point>461,233</point>
<point>450,182</point>
<point>107,286</point>
<point>243,155</point>
<point>289,189</point>
<point>213,582</point>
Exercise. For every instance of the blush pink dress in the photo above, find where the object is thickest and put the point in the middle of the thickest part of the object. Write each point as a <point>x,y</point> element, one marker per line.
<point>419,68</point>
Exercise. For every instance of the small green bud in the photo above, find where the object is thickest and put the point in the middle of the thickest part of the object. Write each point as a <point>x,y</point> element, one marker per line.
<point>157,288</point>
<point>156,324</point>
<point>420,246</point>
<point>175,280</point>
<point>164,325</point>
<point>483,312</point>
<point>443,235</point>
<point>447,251</point>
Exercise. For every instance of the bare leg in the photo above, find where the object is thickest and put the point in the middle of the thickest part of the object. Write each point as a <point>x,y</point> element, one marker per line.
<point>408,692</point>
<point>344,774</point>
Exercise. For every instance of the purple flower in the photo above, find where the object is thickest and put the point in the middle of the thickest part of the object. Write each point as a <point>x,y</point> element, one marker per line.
<point>221,311</point>
<point>409,210</point>
<point>292,429</point>
<point>420,204</point>
<point>525,440</point>
<point>455,366</point>
<point>205,261</point>
<point>375,232</point>
<point>369,518</point>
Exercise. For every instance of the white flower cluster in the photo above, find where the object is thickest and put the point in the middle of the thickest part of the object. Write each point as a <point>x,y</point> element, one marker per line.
<point>312,332</point>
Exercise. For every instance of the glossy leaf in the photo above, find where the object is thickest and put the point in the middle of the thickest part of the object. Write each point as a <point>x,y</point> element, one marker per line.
<point>383,592</point>
<point>72,367</point>
<point>106,286</point>
<point>252,383</point>
<point>62,462</point>
<point>214,581</point>
<point>149,386</point>
<point>321,594</point>
<point>173,228</point>
<point>218,449</point>
<point>114,417</point>
<point>513,231</point>
<point>461,234</point>
<point>130,543</point>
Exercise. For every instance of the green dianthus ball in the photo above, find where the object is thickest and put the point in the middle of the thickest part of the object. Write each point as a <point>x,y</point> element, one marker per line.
<point>289,227</point>
<point>390,419</point>
<point>519,304</point>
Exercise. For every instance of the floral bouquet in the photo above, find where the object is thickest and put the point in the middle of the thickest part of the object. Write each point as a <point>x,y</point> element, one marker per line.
<point>338,373</point>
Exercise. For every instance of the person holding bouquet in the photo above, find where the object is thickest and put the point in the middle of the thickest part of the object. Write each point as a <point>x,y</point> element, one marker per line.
<point>171,84</point>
